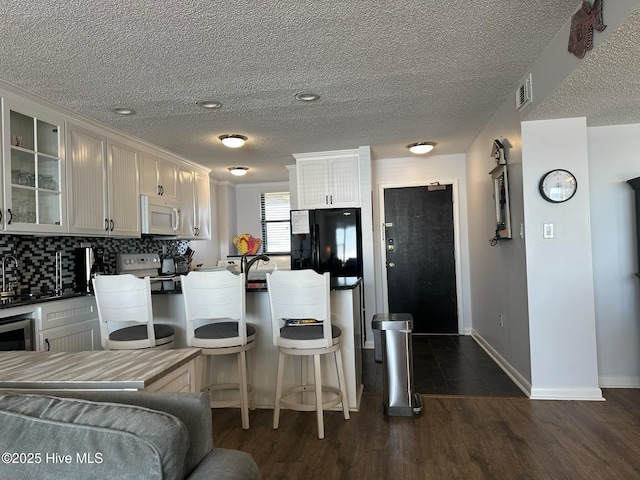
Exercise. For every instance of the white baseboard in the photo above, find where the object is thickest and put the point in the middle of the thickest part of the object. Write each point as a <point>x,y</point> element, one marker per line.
<point>522,383</point>
<point>617,381</point>
<point>538,393</point>
<point>591,394</point>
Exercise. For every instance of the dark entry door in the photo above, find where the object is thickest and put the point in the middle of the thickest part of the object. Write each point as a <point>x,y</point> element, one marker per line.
<point>420,256</point>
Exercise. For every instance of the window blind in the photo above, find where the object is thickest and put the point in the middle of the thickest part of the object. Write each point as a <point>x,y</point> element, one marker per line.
<point>276,230</point>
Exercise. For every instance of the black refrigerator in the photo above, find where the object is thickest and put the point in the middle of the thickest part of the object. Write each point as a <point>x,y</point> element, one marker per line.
<point>327,240</point>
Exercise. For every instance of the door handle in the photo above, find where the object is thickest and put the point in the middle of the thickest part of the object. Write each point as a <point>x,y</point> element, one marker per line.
<point>391,264</point>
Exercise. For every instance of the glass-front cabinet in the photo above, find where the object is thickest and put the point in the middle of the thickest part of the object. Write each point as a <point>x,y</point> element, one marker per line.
<point>33,171</point>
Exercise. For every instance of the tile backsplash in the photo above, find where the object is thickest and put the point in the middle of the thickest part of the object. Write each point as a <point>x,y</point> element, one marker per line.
<point>37,264</point>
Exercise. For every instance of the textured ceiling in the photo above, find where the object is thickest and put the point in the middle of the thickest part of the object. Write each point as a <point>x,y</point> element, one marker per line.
<point>389,73</point>
<point>605,87</point>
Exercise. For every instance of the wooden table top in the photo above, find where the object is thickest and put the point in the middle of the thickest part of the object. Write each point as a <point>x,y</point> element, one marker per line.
<point>110,369</point>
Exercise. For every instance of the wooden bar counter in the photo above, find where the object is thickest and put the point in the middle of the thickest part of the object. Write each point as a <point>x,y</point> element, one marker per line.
<point>151,370</point>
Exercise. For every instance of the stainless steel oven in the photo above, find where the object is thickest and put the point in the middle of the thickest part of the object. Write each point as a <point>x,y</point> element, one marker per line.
<point>16,333</point>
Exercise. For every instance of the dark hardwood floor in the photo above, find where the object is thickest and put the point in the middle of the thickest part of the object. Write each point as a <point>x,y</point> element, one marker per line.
<point>473,426</point>
<point>454,438</point>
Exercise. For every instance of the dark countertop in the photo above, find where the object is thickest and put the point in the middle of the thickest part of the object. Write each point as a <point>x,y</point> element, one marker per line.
<point>337,283</point>
<point>20,300</point>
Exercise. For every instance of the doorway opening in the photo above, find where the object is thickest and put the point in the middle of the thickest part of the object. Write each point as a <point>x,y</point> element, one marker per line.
<point>420,255</point>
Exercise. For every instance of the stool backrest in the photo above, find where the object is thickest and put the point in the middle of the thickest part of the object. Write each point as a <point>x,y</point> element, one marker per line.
<point>299,294</point>
<point>123,300</point>
<point>212,297</point>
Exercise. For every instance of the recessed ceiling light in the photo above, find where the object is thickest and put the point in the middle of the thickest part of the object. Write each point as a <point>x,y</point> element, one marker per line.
<point>421,148</point>
<point>233,140</point>
<point>124,111</point>
<point>209,104</point>
<point>307,97</point>
<point>238,171</point>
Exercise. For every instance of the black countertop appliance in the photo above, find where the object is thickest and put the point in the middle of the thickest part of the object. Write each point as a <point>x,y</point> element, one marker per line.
<point>89,263</point>
<point>327,240</point>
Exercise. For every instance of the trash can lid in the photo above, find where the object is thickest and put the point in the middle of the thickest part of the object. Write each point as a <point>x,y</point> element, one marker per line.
<point>392,321</point>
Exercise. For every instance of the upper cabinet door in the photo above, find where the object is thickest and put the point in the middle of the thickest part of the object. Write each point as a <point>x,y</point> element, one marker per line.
<point>34,183</point>
<point>328,179</point>
<point>149,184</point>
<point>313,184</point>
<point>86,174</point>
<point>123,192</point>
<point>167,178</point>
<point>158,176</point>
<point>186,189</point>
<point>103,184</point>
<point>203,205</point>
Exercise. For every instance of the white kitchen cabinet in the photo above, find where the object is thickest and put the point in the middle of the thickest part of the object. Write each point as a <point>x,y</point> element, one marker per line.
<point>123,193</point>
<point>34,183</point>
<point>158,176</point>
<point>202,199</point>
<point>103,184</point>
<point>194,197</point>
<point>328,179</point>
<point>67,326</point>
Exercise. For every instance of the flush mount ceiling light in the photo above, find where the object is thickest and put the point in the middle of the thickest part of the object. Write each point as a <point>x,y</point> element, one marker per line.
<point>238,171</point>
<point>307,97</point>
<point>124,111</point>
<point>209,104</point>
<point>420,148</point>
<point>233,140</point>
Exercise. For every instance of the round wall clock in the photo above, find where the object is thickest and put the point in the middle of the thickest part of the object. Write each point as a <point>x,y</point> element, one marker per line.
<point>558,186</point>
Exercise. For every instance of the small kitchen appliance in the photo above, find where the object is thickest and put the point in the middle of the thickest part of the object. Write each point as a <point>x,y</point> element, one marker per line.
<point>89,262</point>
<point>149,265</point>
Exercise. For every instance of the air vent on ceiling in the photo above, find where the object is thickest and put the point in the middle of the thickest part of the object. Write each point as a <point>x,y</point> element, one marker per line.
<point>523,93</point>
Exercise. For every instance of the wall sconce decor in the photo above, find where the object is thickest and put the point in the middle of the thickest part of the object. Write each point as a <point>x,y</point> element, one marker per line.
<point>497,152</point>
<point>501,200</point>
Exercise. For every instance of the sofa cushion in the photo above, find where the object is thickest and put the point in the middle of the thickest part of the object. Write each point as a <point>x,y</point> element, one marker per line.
<point>81,439</point>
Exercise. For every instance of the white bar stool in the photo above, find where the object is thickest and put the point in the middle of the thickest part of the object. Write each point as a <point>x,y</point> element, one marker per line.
<point>303,295</point>
<point>215,313</point>
<point>126,314</point>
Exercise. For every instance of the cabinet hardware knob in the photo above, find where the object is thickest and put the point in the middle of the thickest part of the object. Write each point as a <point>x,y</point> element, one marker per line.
<point>112,224</point>
<point>106,224</point>
<point>46,341</point>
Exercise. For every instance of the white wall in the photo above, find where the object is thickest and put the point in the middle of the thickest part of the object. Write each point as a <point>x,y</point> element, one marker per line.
<point>559,270</point>
<point>412,171</point>
<point>498,273</point>
<point>248,205</point>
<point>613,159</point>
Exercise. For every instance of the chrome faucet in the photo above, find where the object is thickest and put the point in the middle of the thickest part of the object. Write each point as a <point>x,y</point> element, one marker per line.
<point>246,265</point>
<point>4,274</point>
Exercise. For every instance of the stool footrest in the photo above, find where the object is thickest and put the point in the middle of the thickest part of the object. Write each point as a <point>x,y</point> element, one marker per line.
<point>310,407</point>
<point>233,402</point>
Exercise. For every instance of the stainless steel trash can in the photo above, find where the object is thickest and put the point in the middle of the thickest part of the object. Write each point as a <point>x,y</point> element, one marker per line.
<point>392,343</point>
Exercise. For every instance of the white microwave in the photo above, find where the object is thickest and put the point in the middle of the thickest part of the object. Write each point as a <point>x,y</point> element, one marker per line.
<point>159,216</point>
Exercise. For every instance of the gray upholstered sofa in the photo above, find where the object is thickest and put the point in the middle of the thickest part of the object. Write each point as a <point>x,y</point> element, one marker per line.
<point>115,435</point>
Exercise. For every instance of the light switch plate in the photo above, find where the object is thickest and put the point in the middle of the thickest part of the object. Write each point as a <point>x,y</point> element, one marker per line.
<point>547,230</point>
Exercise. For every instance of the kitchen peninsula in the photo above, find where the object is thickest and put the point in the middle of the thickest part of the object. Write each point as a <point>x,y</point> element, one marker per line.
<point>347,313</point>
